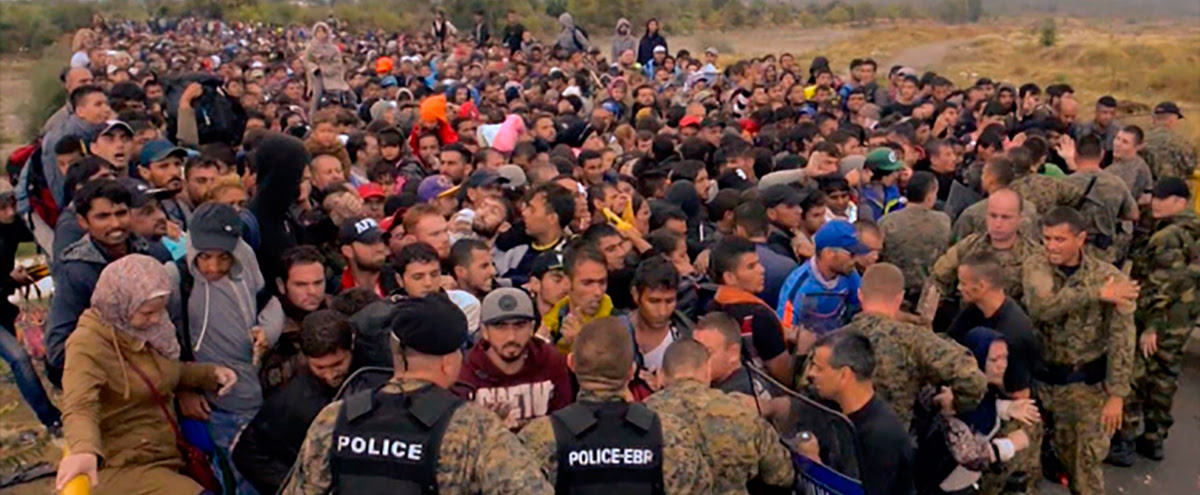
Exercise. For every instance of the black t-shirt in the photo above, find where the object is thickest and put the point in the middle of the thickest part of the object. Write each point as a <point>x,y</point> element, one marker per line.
<point>765,335</point>
<point>1024,352</point>
<point>884,449</point>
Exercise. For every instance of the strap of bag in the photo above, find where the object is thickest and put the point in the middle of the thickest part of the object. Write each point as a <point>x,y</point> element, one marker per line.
<point>158,399</point>
<point>1086,192</point>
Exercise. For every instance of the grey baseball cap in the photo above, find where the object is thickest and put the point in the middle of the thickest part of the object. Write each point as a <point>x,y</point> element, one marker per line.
<point>506,303</point>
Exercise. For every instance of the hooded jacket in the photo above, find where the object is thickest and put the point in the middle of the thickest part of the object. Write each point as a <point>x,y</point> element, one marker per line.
<point>280,162</point>
<point>221,315</point>
<point>75,277</point>
<point>622,42</point>
<point>541,387</point>
<point>323,62</point>
<point>571,38</point>
<point>646,46</point>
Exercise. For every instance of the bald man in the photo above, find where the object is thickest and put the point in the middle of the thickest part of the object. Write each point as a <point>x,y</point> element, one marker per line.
<point>653,449</point>
<point>73,78</point>
<point>1002,239</point>
<point>909,357</point>
<point>998,174</point>
<point>740,445</point>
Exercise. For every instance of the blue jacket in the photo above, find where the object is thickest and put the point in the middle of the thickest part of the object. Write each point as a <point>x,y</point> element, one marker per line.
<point>875,202</point>
<point>819,305</point>
<point>75,278</point>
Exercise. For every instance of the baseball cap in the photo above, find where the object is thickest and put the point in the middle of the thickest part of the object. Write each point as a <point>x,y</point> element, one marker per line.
<point>431,325</point>
<point>883,159</point>
<point>370,190</point>
<point>1167,107</point>
<point>506,304</point>
<point>514,174</point>
<point>779,194</point>
<point>159,150</point>
<point>839,234</point>
<point>660,49</point>
<point>388,82</point>
<point>359,229</point>
<point>547,262</point>
<point>734,179</point>
<point>690,120</point>
<point>140,193</point>
<point>433,187</point>
<point>712,50</point>
<point>215,227</point>
<point>113,125</point>
<point>483,178</point>
<point>1168,187</point>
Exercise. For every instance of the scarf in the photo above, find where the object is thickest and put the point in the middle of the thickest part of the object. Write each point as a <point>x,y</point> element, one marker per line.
<point>124,286</point>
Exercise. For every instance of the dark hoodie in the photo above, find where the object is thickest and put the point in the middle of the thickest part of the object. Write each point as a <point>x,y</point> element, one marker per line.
<point>280,161</point>
<point>541,387</point>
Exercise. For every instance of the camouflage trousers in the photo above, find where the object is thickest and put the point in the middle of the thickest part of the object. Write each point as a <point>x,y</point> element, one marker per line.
<point>1028,461</point>
<point>1078,435</point>
<point>1155,379</point>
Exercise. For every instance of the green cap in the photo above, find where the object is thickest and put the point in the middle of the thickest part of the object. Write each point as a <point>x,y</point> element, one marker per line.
<point>883,159</point>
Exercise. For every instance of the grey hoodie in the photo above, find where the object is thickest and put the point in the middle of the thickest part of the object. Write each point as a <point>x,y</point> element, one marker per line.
<point>221,315</point>
<point>571,38</point>
<point>622,42</point>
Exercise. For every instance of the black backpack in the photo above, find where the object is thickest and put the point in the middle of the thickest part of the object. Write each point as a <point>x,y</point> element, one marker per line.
<point>219,118</point>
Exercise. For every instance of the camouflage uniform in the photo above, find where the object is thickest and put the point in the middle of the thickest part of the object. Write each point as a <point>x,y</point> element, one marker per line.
<point>945,271</point>
<point>913,238</point>
<point>1074,328</point>
<point>1046,192</point>
<point>1106,204</point>
<point>739,444</point>
<point>1135,173</point>
<point>1169,267</point>
<point>685,470</point>
<point>974,220</point>
<point>908,357</point>
<point>1169,154</point>
<point>1028,461</point>
<point>477,455</point>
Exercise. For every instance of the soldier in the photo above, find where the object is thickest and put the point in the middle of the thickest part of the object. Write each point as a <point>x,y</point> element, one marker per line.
<point>1083,310</point>
<point>1129,165</point>
<point>413,435</point>
<point>1107,205</point>
<point>1001,239</point>
<point>914,238</point>
<point>997,174</point>
<point>908,356</point>
<point>1042,190</point>
<point>1168,152</point>
<point>1170,266</point>
<point>739,444</point>
<point>605,444</point>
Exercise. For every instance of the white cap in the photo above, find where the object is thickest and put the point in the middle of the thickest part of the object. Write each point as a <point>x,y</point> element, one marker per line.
<point>660,49</point>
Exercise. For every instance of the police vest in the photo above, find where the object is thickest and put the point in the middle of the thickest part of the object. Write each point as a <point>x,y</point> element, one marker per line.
<point>608,448</point>
<point>388,443</point>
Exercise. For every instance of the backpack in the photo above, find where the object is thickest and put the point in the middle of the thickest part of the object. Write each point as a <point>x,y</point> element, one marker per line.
<point>219,119</point>
<point>37,188</point>
<point>20,157</point>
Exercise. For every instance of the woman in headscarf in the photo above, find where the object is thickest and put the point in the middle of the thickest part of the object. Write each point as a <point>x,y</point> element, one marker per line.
<point>325,69</point>
<point>122,361</point>
<point>992,434</point>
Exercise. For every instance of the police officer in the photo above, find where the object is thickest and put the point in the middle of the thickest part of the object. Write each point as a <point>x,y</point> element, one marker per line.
<point>603,444</point>
<point>413,436</point>
<point>741,446</point>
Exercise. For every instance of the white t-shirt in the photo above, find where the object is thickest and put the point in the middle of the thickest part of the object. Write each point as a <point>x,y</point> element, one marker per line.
<point>653,359</point>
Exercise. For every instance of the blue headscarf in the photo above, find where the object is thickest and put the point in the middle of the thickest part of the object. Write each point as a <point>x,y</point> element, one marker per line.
<point>979,340</point>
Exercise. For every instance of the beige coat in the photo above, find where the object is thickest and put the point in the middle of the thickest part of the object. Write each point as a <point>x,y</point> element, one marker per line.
<point>109,411</point>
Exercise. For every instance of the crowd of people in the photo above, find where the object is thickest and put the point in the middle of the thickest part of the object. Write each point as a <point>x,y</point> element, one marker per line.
<point>551,267</point>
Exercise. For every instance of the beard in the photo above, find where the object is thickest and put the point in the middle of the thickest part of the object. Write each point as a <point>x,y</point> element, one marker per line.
<point>517,352</point>
<point>485,231</point>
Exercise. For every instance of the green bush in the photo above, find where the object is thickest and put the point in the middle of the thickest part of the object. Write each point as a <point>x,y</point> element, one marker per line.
<point>48,93</point>
<point>1048,33</point>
